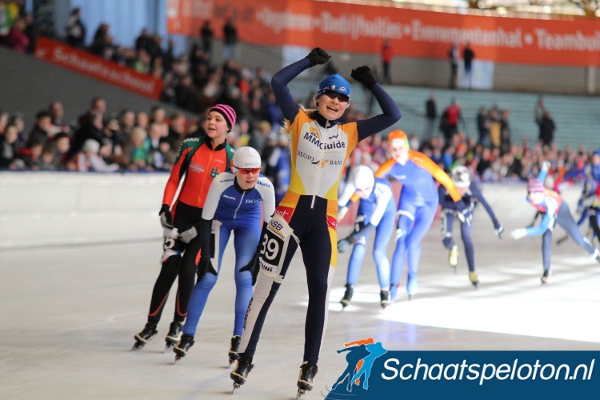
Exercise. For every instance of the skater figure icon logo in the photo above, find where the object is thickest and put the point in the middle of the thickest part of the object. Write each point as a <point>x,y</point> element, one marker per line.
<point>361,356</point>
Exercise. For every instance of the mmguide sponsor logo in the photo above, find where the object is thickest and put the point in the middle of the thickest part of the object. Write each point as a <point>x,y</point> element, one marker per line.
<point>324,146</point>
<point>485,372</point>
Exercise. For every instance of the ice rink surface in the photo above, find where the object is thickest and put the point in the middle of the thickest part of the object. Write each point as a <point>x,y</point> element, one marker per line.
<point>68,317</point>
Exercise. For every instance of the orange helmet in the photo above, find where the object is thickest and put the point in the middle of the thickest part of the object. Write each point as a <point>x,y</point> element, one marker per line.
<point>398,138</point>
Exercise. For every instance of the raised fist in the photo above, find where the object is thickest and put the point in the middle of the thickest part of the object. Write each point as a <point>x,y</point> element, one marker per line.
<point>364,75</point>
<point>318,56</point>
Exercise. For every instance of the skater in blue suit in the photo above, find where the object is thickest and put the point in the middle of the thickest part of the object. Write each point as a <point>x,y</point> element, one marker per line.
<point>417,207</point>
<point>555,211</point>
<point>471,196</point>
<point>236,202</point>
<point>376,211</point>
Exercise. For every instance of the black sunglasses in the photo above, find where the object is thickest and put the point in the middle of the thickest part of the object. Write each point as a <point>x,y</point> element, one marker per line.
<point>335,95</point>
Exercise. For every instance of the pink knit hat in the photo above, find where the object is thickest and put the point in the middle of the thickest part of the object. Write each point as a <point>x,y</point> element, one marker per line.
<point>227,112</point>
<point>535,185</point>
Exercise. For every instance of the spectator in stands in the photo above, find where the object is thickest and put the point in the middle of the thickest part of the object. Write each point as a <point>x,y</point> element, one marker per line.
<point>17,39</point>
<point>495,128</point>
<point>5,23</point>
<point>42,128</point>
<point>387,54</point>
<point>26,158</point>
<point>157,116</point>
<point>112,134</point>
<point>230,39</point>
<point>176,130</point>
<point>62,143</point>
<point>8,146</point>
<point>154,158</point>
<point>430,116</point>
<point>468,56</point>
<point>97,106</point>
<point>141,120</point>
<point>540,110</point>
<point>44,18</point>
<point>168,56</point>
<point>57,112</point>
<point>483,127</point>
<point>143,41</point>
<point>206,36</point>
<point>505,133</point>
<point>547,128</point>
<point>142,63</point>
<point>91,129</point>
<point>136,150</point>
<point>75,29</point>
<point>89,159</point>
<point>18,120</point>
<point>49,160</point>
<point>450,120</point>
<point>101,41</point>
<point>126,122</point>
<point>453,58</point>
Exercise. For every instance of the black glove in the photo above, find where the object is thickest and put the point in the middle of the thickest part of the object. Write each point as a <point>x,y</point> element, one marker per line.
<point>364,75</point>
<point>253,267</point>
<point>166,218</point>
<point>318,56</point>
<point>204,266</point>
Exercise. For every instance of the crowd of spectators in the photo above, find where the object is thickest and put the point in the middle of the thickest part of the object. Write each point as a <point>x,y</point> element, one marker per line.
<point>141,141</point>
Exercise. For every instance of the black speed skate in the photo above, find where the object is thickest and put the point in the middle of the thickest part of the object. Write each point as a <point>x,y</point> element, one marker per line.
<point>545,277</point>
<point>183,346</point>
<point>308,370</point>
<point>173,336</point>
<point>385,298</point>
<point>241,371</point>
<point>235,345</point>
<point>144,336</point>
<point>347,296</point>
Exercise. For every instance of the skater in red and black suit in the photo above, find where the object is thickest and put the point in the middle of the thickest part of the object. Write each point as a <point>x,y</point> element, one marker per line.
<point>198,162</point>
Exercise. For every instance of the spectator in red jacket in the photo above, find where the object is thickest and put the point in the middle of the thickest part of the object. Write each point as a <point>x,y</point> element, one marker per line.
<point>17,39</point>
<point>387,53</point>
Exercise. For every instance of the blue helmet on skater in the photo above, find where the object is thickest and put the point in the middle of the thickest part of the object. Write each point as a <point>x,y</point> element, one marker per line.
<point>334,83</point>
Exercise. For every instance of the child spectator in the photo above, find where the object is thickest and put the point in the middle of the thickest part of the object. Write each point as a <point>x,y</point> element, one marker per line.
<point>88,160</point>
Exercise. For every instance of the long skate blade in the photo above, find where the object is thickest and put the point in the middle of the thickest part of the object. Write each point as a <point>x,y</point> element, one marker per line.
<point>300,393</point>
<point>235,386</point>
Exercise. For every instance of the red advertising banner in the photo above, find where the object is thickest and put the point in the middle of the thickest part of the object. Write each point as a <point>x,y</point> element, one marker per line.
<point>96,67</point>
<point>360,28</point>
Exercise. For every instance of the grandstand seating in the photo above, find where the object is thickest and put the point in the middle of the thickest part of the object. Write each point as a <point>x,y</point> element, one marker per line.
<point>576,117</point>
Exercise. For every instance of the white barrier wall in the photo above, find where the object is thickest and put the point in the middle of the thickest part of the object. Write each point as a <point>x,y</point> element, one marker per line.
<point>39,208</point>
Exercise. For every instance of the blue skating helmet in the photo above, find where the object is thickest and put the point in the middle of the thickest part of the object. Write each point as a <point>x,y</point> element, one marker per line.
<point>334,83</point>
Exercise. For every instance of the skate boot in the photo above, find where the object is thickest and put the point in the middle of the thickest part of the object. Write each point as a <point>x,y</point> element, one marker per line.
<point>235,344</point>
<point>241,371</point>
<point>173,336</point>
<point>183,346</point>
<point>308,370</point>
<point>144,336</point>
<point>473,278</point>
<point>385,298</point>
<point>545,277</point>
<point>347,296</point>
<point>453,257</point>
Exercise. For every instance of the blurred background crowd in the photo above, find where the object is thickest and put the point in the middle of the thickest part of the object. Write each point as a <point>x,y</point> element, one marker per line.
<point>105,140</point>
